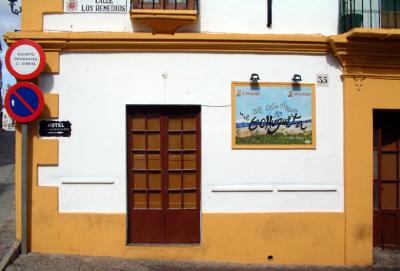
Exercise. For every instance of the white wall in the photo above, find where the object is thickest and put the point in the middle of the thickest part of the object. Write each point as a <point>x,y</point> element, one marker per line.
<point>94,89</point>
<point>225,16</point>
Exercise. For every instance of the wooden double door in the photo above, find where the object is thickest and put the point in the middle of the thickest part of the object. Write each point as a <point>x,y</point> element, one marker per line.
<point>163,162</point>
<point>386,200</point>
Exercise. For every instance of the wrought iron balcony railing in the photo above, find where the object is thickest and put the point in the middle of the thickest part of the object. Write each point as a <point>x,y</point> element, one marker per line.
<point>165,4</point>
<point>165,16</point>
<point>369,14</point>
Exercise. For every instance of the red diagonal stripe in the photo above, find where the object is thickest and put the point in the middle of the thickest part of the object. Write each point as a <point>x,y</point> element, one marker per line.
<point>24,102</point>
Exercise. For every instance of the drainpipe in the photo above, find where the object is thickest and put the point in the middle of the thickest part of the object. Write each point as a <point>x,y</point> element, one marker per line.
<point>269,14</point>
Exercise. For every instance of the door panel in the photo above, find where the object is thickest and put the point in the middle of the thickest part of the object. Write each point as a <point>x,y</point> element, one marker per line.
<point>180,225</point>
<point>386,174</point>
<point>149,228</point>
<point>164,174</point>
<point>389,230</point>
<point>389,195</point>
<point>377,230</point>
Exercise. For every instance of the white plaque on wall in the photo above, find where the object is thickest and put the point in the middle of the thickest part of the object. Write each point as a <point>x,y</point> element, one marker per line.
<point>96,6</point>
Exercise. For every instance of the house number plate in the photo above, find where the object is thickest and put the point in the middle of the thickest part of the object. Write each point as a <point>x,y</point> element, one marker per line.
<point>322,80</point>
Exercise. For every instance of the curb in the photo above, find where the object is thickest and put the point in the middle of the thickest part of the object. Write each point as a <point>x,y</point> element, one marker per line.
<point>11,255</point>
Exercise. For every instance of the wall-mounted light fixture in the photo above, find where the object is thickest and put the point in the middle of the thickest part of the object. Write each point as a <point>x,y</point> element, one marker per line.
<point>12,6</point>
<point>296,79</point>
<point>254,78</point>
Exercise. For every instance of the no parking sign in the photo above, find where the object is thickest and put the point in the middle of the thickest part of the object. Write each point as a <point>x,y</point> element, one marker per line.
<point>24,102</point>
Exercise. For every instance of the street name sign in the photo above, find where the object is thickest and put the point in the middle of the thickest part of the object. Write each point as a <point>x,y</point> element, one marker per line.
<point>96,6</point>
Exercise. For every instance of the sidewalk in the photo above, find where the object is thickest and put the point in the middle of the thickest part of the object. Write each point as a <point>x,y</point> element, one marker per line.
<point>7,193</point>
<point>7,210</point>
<point>52,262</point>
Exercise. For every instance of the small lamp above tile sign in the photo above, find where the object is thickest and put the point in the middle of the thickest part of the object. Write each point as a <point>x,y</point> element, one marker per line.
<point>96,6</point>
<point>50,128</point>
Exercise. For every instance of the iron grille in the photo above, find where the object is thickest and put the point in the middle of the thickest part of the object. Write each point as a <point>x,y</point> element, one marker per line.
<point>166,4</point>
<point>369,14</point>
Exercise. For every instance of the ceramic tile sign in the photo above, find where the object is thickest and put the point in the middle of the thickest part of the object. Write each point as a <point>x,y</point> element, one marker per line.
<point>25,59</point>
<point>96,6</point>
<point>273,116</point>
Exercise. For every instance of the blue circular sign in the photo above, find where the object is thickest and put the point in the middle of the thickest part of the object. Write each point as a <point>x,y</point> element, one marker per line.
<point>24,102</point>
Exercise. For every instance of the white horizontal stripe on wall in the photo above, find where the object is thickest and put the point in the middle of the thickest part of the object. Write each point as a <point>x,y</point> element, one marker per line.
<point>309,188</point>
<point>92,180</point>
<point>272,188</point>
<point>243,188</point>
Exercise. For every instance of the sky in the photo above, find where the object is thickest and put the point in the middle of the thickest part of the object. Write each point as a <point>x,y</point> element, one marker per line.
<point>8,22</point>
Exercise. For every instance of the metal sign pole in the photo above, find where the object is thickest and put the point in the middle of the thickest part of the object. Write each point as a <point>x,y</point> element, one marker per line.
<point>30,99</point>
<point>24,241</point>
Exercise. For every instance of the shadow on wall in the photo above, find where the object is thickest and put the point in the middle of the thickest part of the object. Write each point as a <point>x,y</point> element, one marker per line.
<point>46,82</point>
<point>7,148</point>
<point>333,62</point>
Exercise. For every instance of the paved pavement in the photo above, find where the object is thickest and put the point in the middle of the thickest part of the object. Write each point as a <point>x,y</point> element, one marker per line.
<point>52,262</point>
<point>7,206</point>
<point>7,148</point>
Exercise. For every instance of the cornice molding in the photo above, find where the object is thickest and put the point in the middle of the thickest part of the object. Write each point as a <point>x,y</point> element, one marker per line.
<point>372,52</point>
<point>179,42</point>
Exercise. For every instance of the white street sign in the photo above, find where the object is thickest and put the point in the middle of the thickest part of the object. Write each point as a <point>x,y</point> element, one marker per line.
<point>96,6</point>
<point>25,59</point>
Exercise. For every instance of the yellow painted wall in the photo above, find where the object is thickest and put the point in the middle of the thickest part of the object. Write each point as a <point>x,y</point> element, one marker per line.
<point>248,238</point>
<point>33,10</point>
<point>361,96</point>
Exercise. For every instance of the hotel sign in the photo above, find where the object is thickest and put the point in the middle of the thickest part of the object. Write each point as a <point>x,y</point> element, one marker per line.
<point>96,6</point>
<point>50,128</point>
